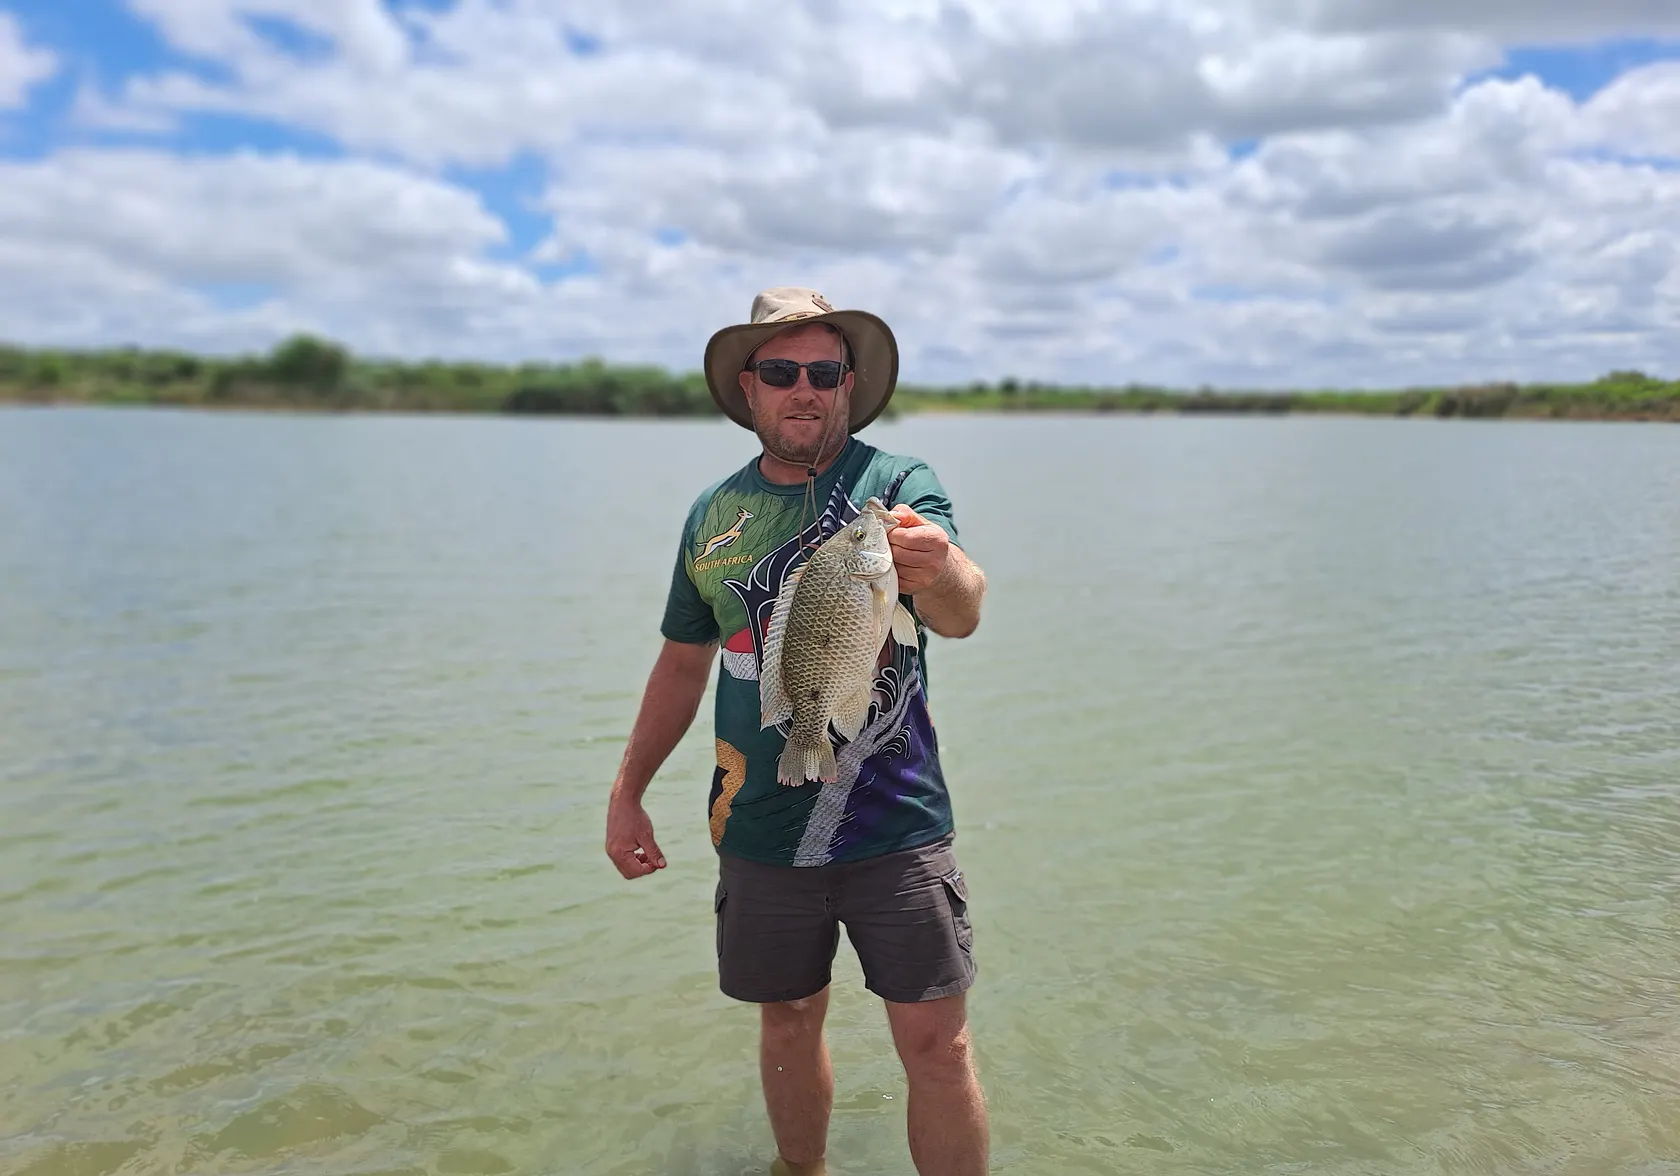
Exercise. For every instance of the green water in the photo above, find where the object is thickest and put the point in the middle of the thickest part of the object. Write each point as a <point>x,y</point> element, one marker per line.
<point>1317,781</point>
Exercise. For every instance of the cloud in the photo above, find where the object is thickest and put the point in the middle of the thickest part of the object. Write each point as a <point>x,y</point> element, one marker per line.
<point>1058,239</point>
<point>345,245</point>
<point>1459,203</point>
<point>482,81</point>
<point>21,67</point>
<point>1124,80</point>
<point>1431,249</point>
<point>1640,111</point>
<point>1518,21</point>
<point>1269,192</point>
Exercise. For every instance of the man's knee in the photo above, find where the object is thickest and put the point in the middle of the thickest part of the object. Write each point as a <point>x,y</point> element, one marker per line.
<point>934,1042</point>
<point>938,1053</point>
<point>790,1020</point>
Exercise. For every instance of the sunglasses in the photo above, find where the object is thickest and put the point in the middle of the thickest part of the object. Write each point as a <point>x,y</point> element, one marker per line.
<point>784,373</point>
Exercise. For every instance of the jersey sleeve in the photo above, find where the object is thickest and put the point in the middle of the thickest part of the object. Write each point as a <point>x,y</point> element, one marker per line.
<point>688,618</point>
<point>921,491</point>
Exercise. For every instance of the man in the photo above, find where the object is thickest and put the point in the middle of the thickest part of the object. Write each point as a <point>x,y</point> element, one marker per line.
<point>872,849</point>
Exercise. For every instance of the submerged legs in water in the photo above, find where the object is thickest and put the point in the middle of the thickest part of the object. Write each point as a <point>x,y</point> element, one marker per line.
<point>947,1113</point>
<point>946,1117</point>
<point>798,1082</point>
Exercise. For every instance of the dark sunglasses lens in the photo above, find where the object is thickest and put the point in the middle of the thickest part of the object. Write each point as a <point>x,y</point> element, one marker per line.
<point>779,373</point>
<point>825,373</point>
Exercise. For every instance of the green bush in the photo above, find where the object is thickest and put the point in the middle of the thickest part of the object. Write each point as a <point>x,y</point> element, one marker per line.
<point>304,361</point>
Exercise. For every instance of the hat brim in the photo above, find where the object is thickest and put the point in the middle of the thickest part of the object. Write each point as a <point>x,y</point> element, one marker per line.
<point>874,362</point>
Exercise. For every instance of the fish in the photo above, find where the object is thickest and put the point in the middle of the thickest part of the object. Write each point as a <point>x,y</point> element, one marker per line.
<point>824,641</point>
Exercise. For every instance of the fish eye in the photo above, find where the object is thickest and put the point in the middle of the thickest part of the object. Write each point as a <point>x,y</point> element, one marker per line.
<point>857,533</point>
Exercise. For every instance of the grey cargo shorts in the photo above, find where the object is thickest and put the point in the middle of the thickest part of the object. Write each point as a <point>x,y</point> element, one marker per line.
<point>906,914</point>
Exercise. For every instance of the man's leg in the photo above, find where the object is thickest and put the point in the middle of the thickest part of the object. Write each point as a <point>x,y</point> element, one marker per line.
<point>907,915</point>
<point>776,935</point>
<point>798,1081</point>
<point>947,1113</point>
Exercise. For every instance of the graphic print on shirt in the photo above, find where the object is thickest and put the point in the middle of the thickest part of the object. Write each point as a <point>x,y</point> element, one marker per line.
<point>718,542</point>
<point>897,679</point>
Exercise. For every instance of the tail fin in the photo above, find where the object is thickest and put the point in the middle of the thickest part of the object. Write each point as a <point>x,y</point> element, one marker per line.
<point>807,759</point>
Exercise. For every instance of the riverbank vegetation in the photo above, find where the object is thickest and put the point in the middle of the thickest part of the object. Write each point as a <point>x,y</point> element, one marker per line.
<point>315,374</point>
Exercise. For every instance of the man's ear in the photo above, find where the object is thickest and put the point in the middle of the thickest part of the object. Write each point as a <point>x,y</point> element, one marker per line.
<point>746,379</point>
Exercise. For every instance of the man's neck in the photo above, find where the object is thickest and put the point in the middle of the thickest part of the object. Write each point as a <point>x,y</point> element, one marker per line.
<point>788,473</point>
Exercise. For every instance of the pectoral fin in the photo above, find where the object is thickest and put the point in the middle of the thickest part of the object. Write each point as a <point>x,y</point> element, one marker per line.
<point>904,626</point>
<point>850,715</point>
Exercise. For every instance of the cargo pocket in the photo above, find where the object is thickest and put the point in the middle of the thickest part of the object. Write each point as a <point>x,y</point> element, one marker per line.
<point>718,899</point>
<point>956,892</point>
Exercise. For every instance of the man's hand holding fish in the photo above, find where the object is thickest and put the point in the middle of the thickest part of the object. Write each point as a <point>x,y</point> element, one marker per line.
<point>947,587</point>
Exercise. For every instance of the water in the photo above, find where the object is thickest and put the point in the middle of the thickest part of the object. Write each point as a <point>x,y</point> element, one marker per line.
<point>1318,785</point>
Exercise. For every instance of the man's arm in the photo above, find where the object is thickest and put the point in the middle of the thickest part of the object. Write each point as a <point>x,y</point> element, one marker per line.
<point>674,689</point>
<point>948,587</point>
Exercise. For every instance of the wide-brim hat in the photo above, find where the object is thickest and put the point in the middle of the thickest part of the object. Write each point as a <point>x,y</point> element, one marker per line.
<point>874,351</point>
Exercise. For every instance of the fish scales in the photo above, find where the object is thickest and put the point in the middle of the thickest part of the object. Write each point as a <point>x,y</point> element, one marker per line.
<point>824,641</point>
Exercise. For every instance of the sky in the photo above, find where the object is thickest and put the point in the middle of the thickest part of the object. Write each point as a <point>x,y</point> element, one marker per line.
<point>1240,193</point>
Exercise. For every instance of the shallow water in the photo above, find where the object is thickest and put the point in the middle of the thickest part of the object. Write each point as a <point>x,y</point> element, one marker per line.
<point>1318,786</point>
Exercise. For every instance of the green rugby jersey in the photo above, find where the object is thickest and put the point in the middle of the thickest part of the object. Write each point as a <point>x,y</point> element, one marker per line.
<point>741,539</point>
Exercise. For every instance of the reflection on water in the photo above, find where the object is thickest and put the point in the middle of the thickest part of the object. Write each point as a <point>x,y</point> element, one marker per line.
<point>1316,783</point>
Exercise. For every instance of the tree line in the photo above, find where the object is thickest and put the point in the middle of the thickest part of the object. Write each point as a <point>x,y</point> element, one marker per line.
<point>306,372</point>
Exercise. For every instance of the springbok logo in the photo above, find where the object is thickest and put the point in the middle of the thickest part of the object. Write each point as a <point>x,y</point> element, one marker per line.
<point>719,542</point>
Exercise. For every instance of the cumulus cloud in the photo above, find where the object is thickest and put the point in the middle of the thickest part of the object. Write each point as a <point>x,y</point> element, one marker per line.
<point>1268,192</point>
<point>1520,21</point>
<point>21,67</point>
<point>485,80</point>
<point>330,242</point>
<point>1640,111</point>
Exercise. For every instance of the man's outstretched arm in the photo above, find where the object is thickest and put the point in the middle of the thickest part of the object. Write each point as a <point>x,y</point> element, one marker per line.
<point>674,689</point>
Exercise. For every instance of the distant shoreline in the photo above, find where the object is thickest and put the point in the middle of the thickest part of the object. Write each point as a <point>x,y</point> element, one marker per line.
<point>312,375</point>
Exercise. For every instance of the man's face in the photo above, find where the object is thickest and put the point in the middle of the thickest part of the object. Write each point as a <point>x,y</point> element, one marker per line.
<point>801,424</point>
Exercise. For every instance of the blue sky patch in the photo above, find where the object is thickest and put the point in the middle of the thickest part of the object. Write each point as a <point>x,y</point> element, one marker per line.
<point>582,44</point>
<point>1663,163</point>
<point>102,40</point>
<point>33,133</point>
<point>1582,71</point>
<point>236,295</point>
<point>579,264</point>
<point>291,37</point>
<point>513,194</point>
<point>224,134</point>
<point>51,124</point>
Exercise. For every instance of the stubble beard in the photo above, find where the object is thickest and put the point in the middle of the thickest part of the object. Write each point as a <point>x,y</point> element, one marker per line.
<point>783,448</point>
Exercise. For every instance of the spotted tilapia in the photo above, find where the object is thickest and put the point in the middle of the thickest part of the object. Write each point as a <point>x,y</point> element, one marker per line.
<point>824,642</point>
